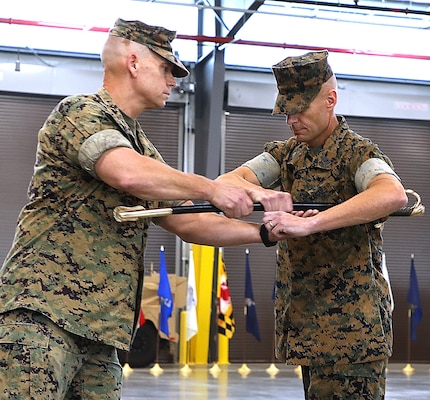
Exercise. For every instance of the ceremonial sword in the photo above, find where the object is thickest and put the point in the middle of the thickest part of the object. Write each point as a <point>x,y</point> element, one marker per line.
<point>125,214</point>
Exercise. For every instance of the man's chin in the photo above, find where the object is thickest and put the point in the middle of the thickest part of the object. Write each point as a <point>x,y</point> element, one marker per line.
<point>299,137</point>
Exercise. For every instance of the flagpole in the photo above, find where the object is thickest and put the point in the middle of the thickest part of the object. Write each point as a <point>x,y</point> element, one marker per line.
<point>158,339</point>
<point>158,325</point>
<point>184,356</point>
<point>273,369</point>
<point>251,321</point>
<point>408,369</point>
<point>189,326</point>
<point>244,370</point>
<point>164,293</point>
<point>244,342</point>
<point>156,369</point>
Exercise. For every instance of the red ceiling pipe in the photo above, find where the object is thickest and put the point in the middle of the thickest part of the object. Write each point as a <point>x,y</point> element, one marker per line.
<point>221,40</point>
<point>226,40</point>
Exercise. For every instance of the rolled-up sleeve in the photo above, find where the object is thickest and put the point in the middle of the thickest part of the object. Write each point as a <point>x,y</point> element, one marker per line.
<point>96,145</point>
<point>368,170</point>
<point>266,169</point>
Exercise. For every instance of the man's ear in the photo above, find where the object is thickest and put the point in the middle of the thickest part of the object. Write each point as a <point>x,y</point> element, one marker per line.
<point>332,98</point>
<point>132,62</point>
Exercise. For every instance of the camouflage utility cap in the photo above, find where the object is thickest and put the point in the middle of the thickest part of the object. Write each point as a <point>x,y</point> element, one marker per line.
<point>299,80</point>
<point>157,38</point>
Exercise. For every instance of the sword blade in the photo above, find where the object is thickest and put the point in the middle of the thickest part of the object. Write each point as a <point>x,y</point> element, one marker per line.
<point>123,213</point>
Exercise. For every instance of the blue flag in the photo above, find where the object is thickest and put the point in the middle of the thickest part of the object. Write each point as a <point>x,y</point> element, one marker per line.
<point>251,311</point>
<point>414,301</point>
<point>165,295</point>
<point>274,291</point>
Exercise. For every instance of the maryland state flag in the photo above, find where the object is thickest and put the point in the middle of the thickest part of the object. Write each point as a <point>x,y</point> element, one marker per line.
<point>226,325</point>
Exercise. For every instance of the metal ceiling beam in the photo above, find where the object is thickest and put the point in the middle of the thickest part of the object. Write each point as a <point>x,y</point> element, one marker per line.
<point>209,73</point>
<point>405,7</point>
<point>246,15</point>
<point>357,6</point>
<point>209,99</point>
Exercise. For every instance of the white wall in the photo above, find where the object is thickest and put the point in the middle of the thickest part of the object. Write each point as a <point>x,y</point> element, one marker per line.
<point>66,76</point>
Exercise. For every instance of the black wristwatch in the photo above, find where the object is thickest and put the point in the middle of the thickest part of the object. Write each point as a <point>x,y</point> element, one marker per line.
<point>264,234</point>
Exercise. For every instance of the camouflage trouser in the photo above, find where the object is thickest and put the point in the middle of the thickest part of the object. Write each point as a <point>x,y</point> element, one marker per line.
<point>40,361</point>
<point>345,382</point>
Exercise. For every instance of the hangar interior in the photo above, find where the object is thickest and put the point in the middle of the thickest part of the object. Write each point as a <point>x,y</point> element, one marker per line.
<point>220,116</point>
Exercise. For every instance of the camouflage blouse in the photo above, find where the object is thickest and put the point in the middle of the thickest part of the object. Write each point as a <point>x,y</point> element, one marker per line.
<point>333,304</point>
<point>70,259</point>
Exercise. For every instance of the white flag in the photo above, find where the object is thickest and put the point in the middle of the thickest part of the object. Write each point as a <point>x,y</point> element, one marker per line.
<point>191,300</point>
<point>387,278</point>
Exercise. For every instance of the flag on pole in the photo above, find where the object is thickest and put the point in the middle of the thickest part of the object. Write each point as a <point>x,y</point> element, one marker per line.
<point>192,326</point>
<point>165,295</point>
<point>250,309</point>
<point>274,281</point>
<point>414,300</point>
<point>274,291</point>
<point>226,324</point>
<point>142,319</point>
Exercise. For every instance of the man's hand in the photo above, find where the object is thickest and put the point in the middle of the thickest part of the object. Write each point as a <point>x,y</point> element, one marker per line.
<point>282,225</point>
<point>234,201</point>
<point>272,200</point>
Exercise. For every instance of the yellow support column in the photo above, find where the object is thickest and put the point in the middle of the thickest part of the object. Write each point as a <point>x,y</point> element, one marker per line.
<point>223,349</point>
<point>183,338</point>
<point>203,265</point>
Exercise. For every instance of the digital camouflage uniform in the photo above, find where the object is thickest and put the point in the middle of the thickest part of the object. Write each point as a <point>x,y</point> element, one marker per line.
<point>339,301</point>
<point>70,260</point>
<point>333,304</point>
<point>71,285</point>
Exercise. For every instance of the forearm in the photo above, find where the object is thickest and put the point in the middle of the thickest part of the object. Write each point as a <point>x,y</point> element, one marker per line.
<point>212,229</point>
<point>384,196</point>
<point>149,179</point>
<point>242,177</point>
<point>271,199</point>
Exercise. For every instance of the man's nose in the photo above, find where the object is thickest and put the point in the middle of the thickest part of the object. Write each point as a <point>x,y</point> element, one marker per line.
<point>291,118</point>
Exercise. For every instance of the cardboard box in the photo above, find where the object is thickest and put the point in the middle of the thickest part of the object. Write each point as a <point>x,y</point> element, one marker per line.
<point>151,302</point>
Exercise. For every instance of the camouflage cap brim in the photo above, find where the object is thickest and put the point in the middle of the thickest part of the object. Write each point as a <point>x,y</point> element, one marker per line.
<point>179,69</point>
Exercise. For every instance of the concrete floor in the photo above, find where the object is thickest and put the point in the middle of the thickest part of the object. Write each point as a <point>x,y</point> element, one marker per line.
<point>232,382</point>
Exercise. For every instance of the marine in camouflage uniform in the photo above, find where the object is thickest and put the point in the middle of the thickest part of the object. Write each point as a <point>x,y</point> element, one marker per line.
<point>333,306</point>
<point>333,303</point>
<point>69,286</point>
<point>68,211</point>
<point>334,279</point>
<point>71,261</point>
